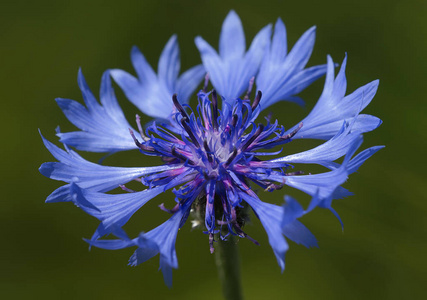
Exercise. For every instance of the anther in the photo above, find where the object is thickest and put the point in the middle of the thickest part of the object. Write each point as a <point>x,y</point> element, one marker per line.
<point>251,239</point>
<point>253,137</point>
<point>234,120</point>
<point>240,232</point>
<point>205,84</point>
<point>295,173</point>
<point>138,144</point>
<point>189,132</point>
<point>179,155</point>
<point>123,187</point>
<point>256,100</point>
<point>170,211</point>
<point>251,85</point>
<point>274,187</point>
<point>167,159</point>
<point>211,240</point>
<point>179,107</point>
<point>205,175</point>
<point>208,150</point>
<point>141,132</point>
<point>291,135</point>
<point>215,109</point>
<point>231,158</point>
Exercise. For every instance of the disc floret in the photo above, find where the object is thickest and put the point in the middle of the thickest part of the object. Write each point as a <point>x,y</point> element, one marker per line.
<point>219,149</point>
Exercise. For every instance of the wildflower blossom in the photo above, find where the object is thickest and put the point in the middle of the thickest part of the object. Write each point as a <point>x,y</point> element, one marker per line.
<point>213,157</point>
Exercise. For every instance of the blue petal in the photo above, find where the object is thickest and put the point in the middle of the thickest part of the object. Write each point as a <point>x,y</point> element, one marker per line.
<point>104,128</point>
<point>159,240</point>
<point>282,76</point>
<point>292,210</point>
<point>364,123</point>
<point>354,164</point>
<point>232,42</point>
<point>339,191</point>
<point>152,93</point>
<point>293,229</point>
<point>164,236</point>
<point>250,65</point>
<point>151,97</point>
<point>112,210</point>
<point>213,65</point>
<point>231,71</point>
<point>146,250</point>
<point>61,194</point>
<point>188,82</point>
<point>322,185</point>
<point>329,151</point>
<point>300,53</point>
<point>279,44</point>
<point>301,81</point>
<point>270,216</point>
<point>298,233</point>
<point>112,244</point>
<point>73,168</point>
<point>142,68</point>
<point>333,107</point>
<point>169,63</point>
<point>359,159</point>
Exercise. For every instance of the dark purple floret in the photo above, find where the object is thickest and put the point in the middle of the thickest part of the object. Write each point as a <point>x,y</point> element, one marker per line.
<point>217,148</point>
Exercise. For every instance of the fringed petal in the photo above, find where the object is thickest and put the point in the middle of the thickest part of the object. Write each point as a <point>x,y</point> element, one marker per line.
<point>103,128</point>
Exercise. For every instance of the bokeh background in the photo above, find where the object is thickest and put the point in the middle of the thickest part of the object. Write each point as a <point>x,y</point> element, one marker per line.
<point>380,255</point>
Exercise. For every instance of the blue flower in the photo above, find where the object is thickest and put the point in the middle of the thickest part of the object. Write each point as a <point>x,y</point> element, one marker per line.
<point>214,158</point>
<point>279,75</point>
<point>151,92</point>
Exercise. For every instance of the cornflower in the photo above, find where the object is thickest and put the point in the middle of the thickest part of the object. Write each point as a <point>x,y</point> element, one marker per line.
<point>214,158</point>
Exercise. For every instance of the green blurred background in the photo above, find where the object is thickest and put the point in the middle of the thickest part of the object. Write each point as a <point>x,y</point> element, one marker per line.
<point>380,255</point>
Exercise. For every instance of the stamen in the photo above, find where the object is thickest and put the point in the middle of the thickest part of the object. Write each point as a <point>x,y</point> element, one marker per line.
<point>189,132</point>
<point>269,116</point>
<point>205,84</point>
<point>180,108</point>
<point>234,120</point>
<point>252,138</point>
<point>295,173</point>
<point>208,150</point>
<point>274,187</point>
<point>211,240</point>
<point>251,84</point>
<point>123,187</point>
<point>167,159</point>
<point>215,109</point>
<point>141,132</point>
<point>138,144</point>
<point>241,233</point>
<point>251,239</point>
<point>291,135</point>
<point>256,100</point>
<point>220,222</point>
<point>170,211</point>
<point>180,156</point>
<point>231,158</point>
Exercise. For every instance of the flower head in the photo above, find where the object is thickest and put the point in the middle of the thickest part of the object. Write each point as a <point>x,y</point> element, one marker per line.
<point>213,158</point>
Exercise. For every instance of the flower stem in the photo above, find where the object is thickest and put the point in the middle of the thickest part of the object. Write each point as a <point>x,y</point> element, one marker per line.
<point>228,264</point>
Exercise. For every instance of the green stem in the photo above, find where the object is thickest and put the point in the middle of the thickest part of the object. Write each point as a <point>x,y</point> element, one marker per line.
<point>228,264</point>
